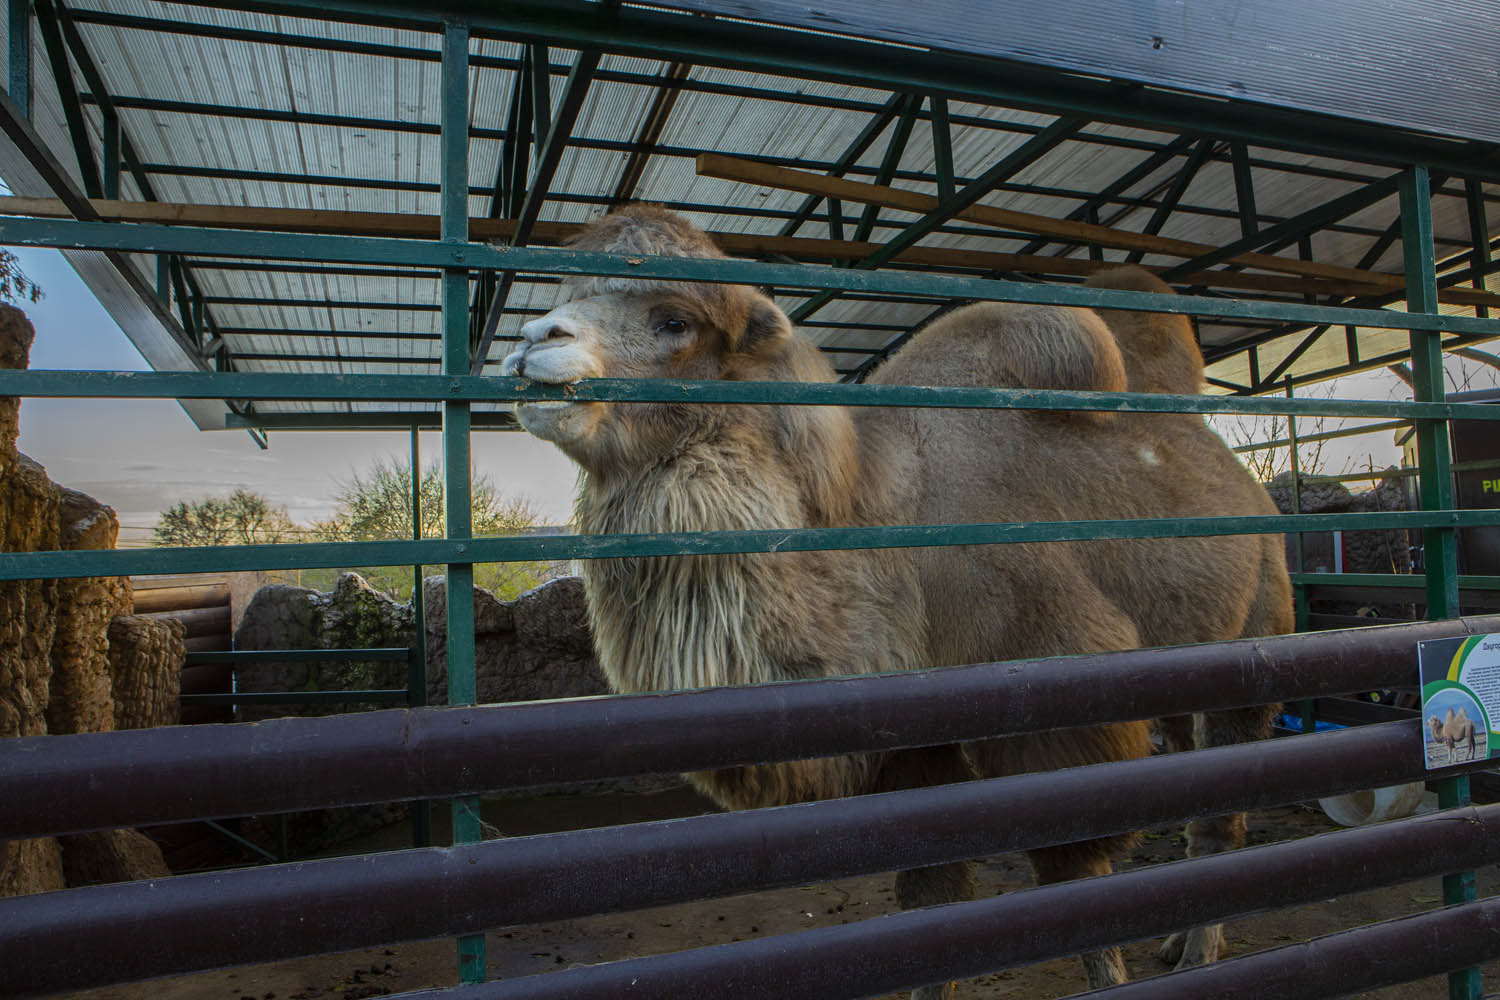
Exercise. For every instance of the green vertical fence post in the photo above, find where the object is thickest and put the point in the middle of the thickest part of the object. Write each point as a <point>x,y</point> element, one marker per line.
<point>416,667</point>
<point>456,478</point>
<point>18,77</point>
<point>1439,546</point>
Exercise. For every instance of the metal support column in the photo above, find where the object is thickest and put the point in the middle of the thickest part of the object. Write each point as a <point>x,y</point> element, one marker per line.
<point>456,465</point>
<point>1439,547</point>
<point>416,667</point>
<point>18,78</point>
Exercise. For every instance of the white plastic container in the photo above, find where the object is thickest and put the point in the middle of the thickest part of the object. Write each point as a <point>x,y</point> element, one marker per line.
<point>1374,805</point>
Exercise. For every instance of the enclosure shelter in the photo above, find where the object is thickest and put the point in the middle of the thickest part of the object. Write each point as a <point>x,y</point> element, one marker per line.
<point>337,215</point>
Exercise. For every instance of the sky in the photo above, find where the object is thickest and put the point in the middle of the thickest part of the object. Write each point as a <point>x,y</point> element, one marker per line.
<point>141,456</point>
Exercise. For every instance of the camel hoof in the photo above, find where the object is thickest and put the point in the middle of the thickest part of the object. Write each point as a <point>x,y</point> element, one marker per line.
<point>1105,968</point>
<point>1170,951</point>
<point>1199,946</point>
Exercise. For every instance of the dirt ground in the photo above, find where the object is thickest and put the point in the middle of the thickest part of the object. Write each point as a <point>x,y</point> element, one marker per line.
<point>530,950</point>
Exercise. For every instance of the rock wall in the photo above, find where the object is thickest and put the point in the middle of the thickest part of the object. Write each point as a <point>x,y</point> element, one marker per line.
<point>535,647</point>
<point>1364,551</point>
<point>55,652</point>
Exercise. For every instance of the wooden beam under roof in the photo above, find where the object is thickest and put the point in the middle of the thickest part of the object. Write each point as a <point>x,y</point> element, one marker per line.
<point>753,172</point>
<point>399,224</point>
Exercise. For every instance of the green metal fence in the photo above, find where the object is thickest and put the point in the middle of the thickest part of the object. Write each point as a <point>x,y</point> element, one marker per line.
<point>459,392</point>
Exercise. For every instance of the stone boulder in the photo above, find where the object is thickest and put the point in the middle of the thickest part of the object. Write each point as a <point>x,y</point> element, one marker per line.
<point>82,699</point>
<point>145,670</point>
<point>533,648</point>
<point>353,615</point>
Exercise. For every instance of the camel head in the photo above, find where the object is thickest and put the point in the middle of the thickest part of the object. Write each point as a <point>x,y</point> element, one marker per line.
<point>1436,725</point>
<point>649,329</point>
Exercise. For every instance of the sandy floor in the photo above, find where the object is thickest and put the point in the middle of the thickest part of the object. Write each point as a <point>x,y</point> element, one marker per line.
<point>529,950</point>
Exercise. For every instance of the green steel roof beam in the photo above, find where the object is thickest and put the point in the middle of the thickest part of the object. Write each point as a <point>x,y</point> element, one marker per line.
<point>1479,234</point>
<point>895,146</point>
<point>1175,191</point>
<point>18,65</point>
<point>662,103</point>
<point>118,150</point>
<point>1244,188</point>
<point>1115,189</point>
<point>848,159</point>
<point>551,143</point>
<point>1273,238</point>
<point>1017,159</point>
<point>1293,355</point>
<point>942,147</point>
<point>67,93</point>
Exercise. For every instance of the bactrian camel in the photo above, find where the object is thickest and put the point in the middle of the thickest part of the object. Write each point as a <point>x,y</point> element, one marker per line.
<point>684,622</point>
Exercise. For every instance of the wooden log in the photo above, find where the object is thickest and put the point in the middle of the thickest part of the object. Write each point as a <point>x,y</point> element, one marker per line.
<point>200,621</point>
<point>204,595</point>
<point>174,579</point>
<point>216,643</point>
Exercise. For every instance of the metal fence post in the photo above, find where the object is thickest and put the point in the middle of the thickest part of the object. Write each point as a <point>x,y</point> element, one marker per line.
<point>416,667</point>
<point>1440,558</point>
<point>456,484</point>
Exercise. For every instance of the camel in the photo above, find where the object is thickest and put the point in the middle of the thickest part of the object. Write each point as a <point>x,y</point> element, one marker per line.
<point>698,621</point>
<point>1454,730</point>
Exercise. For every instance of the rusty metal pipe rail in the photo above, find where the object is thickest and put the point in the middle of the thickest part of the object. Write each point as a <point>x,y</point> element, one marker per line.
<point>1337,965</point>
<point>92,936</point>
<point>146,777</point>
<point>904,950</point>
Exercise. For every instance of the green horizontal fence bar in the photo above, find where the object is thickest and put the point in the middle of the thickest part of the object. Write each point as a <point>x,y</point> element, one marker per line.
<point>1414,580</point>
<point>298,655</point>
<point>152,238</point>
<point>334,555</point>
<point>497,389</point>
<point>376,696</point>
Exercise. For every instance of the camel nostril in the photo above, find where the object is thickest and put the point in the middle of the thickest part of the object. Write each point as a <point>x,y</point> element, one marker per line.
<point>558,333</point>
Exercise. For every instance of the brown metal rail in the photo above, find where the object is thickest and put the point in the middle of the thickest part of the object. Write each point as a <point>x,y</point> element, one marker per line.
<point>917,947</point>
<point>91,936</point>
<point>150,777</point>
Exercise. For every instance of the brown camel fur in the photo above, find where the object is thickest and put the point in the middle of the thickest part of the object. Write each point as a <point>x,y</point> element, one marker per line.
<point>682,622</point>
<point>1454,730</point>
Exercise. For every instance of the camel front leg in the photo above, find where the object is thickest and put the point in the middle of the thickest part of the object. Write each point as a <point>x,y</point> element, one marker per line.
<point>933,886</point>
<point>1070,861</point>
<point>1216,834</point>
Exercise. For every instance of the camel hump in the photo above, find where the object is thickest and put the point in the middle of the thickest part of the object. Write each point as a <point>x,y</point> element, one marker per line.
<point>1012,346</point>
<point>1161,354</point>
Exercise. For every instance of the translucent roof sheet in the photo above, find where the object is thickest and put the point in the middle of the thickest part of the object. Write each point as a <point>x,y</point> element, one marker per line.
<point>234,108</point>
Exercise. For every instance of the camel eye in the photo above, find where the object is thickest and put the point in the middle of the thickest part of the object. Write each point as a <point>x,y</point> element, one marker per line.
<point>673,324</point>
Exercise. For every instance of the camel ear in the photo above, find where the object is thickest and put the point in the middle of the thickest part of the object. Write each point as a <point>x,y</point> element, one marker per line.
<point>766,328</point>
